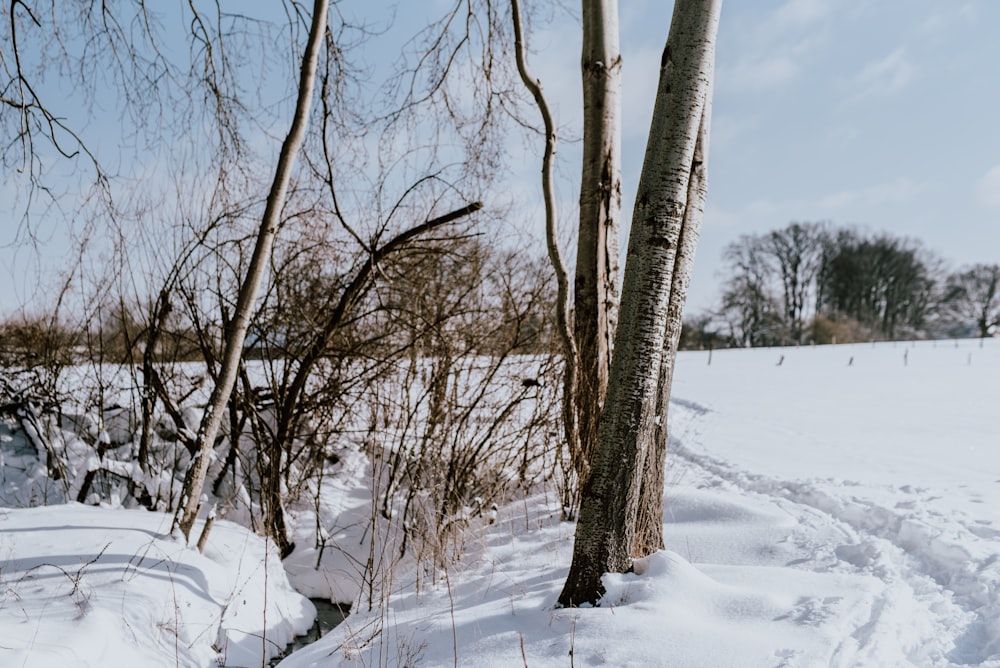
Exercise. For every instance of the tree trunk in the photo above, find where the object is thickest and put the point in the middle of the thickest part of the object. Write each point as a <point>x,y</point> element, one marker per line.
<point>157,321</point>
<point>564,323</point>
<point>649,523</point>
<point>596,302</point>
<point>190,502</point>
<point>606,532</point>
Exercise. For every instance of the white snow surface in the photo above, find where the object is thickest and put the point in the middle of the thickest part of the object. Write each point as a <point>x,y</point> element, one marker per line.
<point>96,587</point>
<point>825,506</point>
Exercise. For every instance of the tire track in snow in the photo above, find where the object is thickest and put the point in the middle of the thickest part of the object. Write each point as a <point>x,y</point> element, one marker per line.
<point>905,547</point>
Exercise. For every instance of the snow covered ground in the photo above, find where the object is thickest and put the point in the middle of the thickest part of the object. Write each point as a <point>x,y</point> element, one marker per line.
<point>82,586</point>
<point>827,506</point>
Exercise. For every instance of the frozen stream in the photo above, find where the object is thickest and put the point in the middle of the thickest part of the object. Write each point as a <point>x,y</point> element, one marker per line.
<point>328,616</point>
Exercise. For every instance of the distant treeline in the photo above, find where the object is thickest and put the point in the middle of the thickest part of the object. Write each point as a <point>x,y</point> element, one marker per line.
<point>456,296</point>
<point>816,283</point>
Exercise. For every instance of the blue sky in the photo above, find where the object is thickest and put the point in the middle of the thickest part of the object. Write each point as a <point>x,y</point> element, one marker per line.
<point>874,113</point>
<point>882,114</point>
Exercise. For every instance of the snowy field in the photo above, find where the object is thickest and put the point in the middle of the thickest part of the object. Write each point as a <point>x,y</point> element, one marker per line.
<point>839,509</point>
<point>827,506</point>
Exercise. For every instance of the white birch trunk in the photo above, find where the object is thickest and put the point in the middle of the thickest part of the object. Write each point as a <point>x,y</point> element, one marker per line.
<point>190,503</point>
<point>649,523</point>
<point>596,285</point>
<point>606,532</point>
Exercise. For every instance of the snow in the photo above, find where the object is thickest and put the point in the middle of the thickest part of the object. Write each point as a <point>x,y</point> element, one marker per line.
<point>839,509</point>
<point>825,506</point>
<point>88,586</point>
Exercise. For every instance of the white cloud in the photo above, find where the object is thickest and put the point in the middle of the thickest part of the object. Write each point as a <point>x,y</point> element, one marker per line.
<point>887,75</point>
<point>760,72</point>
<point>988,188</point>
<point>776,47</point>
<point>717,217</point>
<point>947,16</point>
<point>900,190</point>
<point>933,24</point>
<point>798,13</point>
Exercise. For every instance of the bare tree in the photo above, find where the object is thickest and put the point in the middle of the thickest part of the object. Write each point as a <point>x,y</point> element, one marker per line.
<point>886,283</point>
<point>289,414</point>
<point>27,118</point>
<point>791,257</point>
<point>649,522</point>
<point>195,481</point>
<point>748,304</point>
<point>607,529</point>
<point>796,252</point>
<point>974,293</point>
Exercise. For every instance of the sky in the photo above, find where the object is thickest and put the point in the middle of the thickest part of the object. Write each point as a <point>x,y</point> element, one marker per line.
<point>881,114</point>
<point>876,114</point>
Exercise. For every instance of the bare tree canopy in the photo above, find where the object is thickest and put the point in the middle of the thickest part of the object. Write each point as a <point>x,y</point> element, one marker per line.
<point>974,293</point>
<point>816,283</point>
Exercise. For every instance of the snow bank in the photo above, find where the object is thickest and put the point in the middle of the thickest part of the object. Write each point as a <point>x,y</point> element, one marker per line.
<point>86,586</point>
